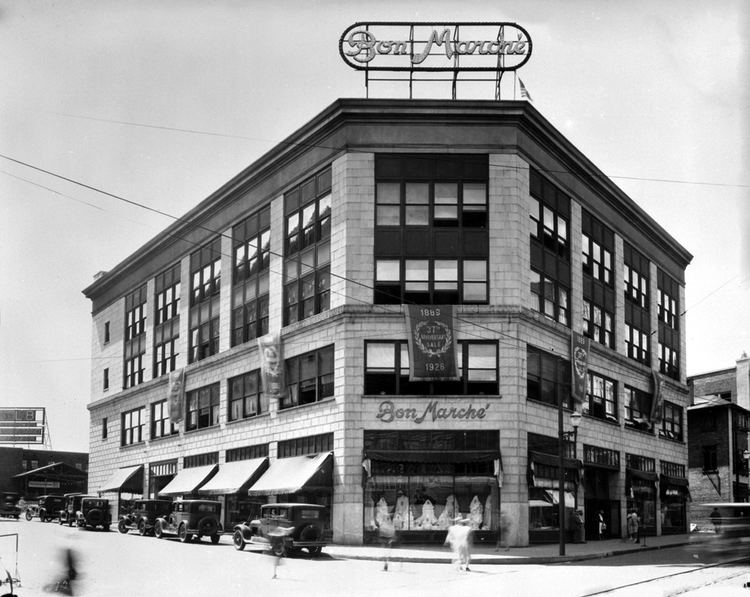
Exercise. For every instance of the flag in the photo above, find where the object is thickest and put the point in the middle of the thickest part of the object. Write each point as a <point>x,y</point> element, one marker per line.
<point>272,367</point>
<point>176,396</point>
<point>524,92</point>
<point>656,404</point>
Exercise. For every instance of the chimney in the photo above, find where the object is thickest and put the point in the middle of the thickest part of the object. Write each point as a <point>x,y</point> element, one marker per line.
<point>743,381</point>
<point>100,274</point>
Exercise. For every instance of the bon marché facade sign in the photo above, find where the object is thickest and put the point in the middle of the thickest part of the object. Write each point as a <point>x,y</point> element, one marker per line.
<point>389,412</point>
<point>434,47</point>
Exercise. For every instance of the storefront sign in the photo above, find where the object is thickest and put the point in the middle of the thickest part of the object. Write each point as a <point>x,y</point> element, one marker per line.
<point>462,46</point>
<point>176,395</point>
<point>271,365</point>
<point>579,359</point>
<point>45,484</point>
<point>432,345</point>
<point>22,425</point>
<point>388,412</point>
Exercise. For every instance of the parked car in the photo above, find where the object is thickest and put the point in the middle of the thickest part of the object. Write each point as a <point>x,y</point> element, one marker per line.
<point>94,512</point>
<point>285,528</point>
<point>9,504</point>
<point>69,512</point>
<point>191,518</point>
<point>48,508</point>
<point>143,516</point>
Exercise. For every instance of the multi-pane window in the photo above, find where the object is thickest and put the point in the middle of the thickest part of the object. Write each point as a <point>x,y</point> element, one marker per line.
<point>301,446</point>
<point>202,407</point>
<point>547,378</point>
<point>205,285</point>
<point>431,281</point>
<point>598,244</point>
<point>668,291</point>
<point>247,452</point>
<point>601,399</point>
<point>135,337</point>
<point>309,377</point>
<point>251,240</point>
<point>637,408</point>
<point>431,237</point>
<point>246,398</point>
<point>637,318</point>
<point>161,426</point>
<point>671,423</point>
<point>131,429</point>
<point>636,276</point>
<point>195,460</point>
<point>166,320</point>
<point>637,344</point>
<point>307,248</point>
<point>387,370</point>
<point>549,210</point>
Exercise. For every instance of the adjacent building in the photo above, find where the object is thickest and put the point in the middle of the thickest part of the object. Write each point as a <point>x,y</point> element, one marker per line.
<point>33,472</point>
<point>480,210</point>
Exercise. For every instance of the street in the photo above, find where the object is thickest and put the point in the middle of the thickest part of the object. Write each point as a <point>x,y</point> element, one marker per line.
<point>114,564</point>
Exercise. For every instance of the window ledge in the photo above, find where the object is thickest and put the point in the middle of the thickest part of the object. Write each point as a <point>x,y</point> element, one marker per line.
<point>309,404</point>
<point>214,426</point>
<point>671,439</point>
<point>637,430</point>
<point>251,418</point>
<point>164,437</point>
<point>133,445</point>
<point>607,421</point>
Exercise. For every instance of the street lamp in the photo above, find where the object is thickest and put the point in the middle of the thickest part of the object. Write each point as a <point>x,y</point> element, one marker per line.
<point>562,436</point>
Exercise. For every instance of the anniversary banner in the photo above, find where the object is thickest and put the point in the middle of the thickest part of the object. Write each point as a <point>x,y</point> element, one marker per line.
<point>432,343</point>
<point>579,359</point>
<point>176,395</point>
<point>271,366</point>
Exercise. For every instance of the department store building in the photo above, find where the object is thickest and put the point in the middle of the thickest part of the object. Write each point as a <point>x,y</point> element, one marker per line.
<point>481,209</point>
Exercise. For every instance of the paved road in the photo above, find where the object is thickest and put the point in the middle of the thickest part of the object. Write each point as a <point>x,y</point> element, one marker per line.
<point>112,565</point>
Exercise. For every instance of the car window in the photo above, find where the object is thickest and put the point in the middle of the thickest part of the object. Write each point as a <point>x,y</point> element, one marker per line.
<point>206,507</point>
<point>309,514</point>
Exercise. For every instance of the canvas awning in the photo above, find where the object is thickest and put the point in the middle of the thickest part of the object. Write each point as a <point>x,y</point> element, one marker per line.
<point>233,475</point>
<point>554,495</point>
<point>189,480</point>
<point>289,475</point>
<point>129,478</point>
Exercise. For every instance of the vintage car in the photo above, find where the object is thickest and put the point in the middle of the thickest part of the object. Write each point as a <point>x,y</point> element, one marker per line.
<point>68,514</point>
<point>191,518</point>
<point>48,508</point>
<point>93,513</point>
<point>286,528</point>
<point>9,504</point>
<point>143,516</point>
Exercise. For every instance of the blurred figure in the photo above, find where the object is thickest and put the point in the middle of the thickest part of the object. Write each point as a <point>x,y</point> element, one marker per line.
<point>504,538</point>
<point>459,540</point>
<point>65,583</point>
<point>716,520</point>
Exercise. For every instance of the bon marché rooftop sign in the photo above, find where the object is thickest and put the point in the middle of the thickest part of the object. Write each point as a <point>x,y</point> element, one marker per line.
<point>436,47</point>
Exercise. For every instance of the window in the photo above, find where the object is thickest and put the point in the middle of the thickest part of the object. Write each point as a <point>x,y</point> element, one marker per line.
<point>547,378</point>
<point>671,423</point>
<point>246,398</point>
<point>637,408</point>
<point>247,452</point>
<point>132,427</point>
<point>431,238</point>
<point>668,291</point>
<point>636,276</point>
<point>105,379</point>
<point>195,460</point>
<point>301,446</point>
<point>135,337</point>
<point>601,398</point>
<point>104,428</point>
<point>550,249</point>
<point>431,281</point>
<point>637,316</point>
<point>202,407</point>
<point>161,426</point>
<point>710,459</point>
<point>205,281</point>
<point>309,377</point>
<point>251,241</point>
<point>637,344</point>
<point>307,276</point>
<point>106,332</point>
<point>166,320</point>
<point>598,244</point>
<point>387,370</point>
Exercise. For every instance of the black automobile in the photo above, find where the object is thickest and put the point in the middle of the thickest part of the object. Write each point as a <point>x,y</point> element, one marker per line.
<point>143,516</point>
<point>189,519</point>
<point>9,504</point>
<point>287,528</point>
<point>68,515</point>
<point>48,508</point>
<point>94,513</point>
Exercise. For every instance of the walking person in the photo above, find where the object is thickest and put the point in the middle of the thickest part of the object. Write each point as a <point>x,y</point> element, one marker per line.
<point>459,539</point>
<point>602,526</point>
<point>632,526</point>
<point>504,539</point>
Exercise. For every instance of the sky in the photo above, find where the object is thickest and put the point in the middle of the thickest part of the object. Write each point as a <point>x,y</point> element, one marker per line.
<point>160,102</point>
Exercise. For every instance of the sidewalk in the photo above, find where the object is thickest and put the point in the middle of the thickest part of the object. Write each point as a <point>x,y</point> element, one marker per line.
<point>534,554</point>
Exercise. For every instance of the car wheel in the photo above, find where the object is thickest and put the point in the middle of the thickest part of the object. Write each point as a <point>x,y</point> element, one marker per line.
<point>215,538</point>
<point>142,528</point>
<point>183,534</point>
<point>29,516</point>
<point>122,527</point>
<point>238,540</point>
<point>61,521</point>
<point>314,551</point>
<point>158,531</point>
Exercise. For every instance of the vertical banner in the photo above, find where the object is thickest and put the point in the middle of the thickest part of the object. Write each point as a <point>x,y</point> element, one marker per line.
<point>176,395</point>
<point>271,365</point>
<point>656,403</point>
<point>432,344</point>
<point>579,362</point>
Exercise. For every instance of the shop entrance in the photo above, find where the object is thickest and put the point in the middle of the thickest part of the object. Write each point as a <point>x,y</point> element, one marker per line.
<point>596,490</point>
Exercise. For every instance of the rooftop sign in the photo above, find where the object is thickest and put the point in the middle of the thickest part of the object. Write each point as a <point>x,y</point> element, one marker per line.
<point>435,47</point>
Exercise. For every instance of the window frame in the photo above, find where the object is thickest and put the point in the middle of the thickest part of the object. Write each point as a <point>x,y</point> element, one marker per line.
<point>161,423</point>
<point>131,428</point>
<point>604,406</point>
<point>258,400</point>
<point>194,410</point>
<point>323,379</point>
<point>672,422</point>
<point>556,375</point>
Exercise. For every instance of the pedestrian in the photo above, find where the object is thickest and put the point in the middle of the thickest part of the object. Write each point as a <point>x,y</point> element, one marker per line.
<point>387,535</point>
<point>602,526</point>
<point>716,520</point>
<point>459,539</point>
<point>632,526</point>
<point>505,525</point>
